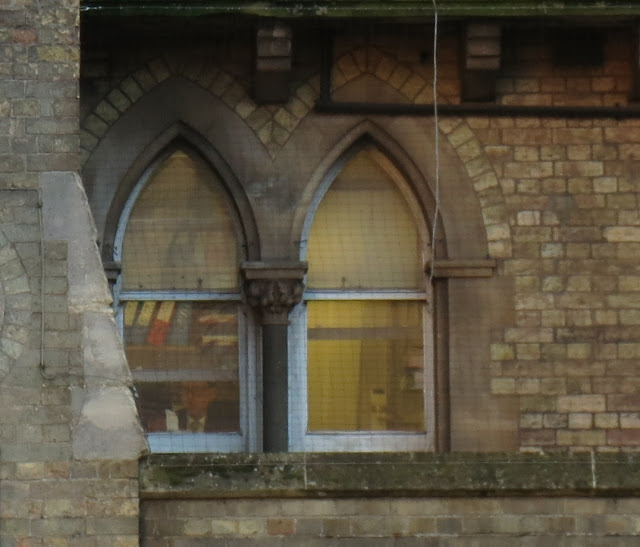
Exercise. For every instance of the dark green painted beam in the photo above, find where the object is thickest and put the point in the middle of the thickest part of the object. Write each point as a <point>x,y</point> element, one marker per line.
<point>365,8</point>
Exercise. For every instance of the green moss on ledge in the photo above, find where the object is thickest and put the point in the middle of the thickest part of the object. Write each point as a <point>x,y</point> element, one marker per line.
<point>387,474</point>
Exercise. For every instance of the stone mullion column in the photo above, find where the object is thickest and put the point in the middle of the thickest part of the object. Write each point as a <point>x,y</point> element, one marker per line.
<point>273,289</point>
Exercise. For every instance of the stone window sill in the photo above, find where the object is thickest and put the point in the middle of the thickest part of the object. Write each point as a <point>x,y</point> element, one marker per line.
<point>318,475</point>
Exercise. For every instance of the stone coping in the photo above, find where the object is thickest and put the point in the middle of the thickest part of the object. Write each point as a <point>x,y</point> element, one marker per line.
<point>295,475</point>
<point>362,8</point>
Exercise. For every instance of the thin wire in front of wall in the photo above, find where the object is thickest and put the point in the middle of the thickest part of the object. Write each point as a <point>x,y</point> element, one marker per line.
<point>436,141</point>
<point>41,364</point>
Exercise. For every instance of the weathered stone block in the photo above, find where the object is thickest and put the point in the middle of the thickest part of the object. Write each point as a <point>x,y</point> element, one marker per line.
<point>581,438</point>
<point>536,170</point>
<point>580,420</point>
<point>581,403</point>
<point>503,386</point>
<point>623,437</point>
<point>537,437</point>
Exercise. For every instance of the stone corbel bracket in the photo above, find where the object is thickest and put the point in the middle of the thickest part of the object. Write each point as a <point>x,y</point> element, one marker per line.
<point>475,267</point>
<point>481,61</point>
<point>274,288</point>
<point>273,64</point>
<point>112,270</point>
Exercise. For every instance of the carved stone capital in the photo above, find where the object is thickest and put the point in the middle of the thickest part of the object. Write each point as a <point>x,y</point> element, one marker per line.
<point>274,288</point>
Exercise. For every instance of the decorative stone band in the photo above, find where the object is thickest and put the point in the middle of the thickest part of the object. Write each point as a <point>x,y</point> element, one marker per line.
<point>475,267</point>
<point>274,288</point>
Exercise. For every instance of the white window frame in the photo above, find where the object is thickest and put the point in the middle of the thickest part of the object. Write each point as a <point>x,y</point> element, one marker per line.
<point>249,437</point>
<point>300,439</point>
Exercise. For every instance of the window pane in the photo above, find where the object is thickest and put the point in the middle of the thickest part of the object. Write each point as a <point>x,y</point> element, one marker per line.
<point>365,366</point>
<point>180,234</point>
<point>363,235</point>
<point>184,360</point>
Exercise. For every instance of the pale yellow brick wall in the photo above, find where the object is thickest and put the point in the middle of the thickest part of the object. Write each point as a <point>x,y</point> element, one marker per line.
<point>428,521</point>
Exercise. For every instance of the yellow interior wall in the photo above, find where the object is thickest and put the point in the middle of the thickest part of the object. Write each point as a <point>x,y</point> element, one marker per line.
<point>333,373</point>
<point>357,382</point>
<point>334,380</point>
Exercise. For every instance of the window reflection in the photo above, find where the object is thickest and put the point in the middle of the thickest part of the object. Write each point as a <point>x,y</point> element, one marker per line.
<point>180,234</point>
<point>182,349</point>
<point>184,360</point>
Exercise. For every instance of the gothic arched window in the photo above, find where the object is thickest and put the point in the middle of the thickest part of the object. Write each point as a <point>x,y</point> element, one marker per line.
<point>178,301</point>
<point>362,376</point>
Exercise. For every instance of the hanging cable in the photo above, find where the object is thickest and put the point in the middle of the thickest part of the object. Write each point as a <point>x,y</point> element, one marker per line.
<point>41,365</point>
<point>436,135</point>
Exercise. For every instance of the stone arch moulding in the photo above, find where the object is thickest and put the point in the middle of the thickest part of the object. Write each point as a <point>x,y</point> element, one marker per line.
<point>416,89</point>
<point>461,233</point>
<point>459,141</point>
<point>367,133</point>
<point>180,135</point>
<point>272,128</point>
<point>175,109</point>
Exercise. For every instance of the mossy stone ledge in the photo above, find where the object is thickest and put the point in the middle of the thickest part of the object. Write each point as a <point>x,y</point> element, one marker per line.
<point>388,475</point>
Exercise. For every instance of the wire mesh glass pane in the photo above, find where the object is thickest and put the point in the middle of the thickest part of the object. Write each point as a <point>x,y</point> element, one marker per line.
<point>364,235</point>
<point>180,234</point>
<point>365,366</point>
<point>184,360</point>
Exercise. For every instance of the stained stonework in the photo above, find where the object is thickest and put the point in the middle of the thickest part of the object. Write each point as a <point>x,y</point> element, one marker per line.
<point>453,500</point>
<point>53,490</point>
<point>15,290</point>
<point>106,424</point>
<point>274,125</point>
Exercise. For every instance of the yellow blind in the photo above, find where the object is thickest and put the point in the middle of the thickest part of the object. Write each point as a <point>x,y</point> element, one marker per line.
<point>364,235</point>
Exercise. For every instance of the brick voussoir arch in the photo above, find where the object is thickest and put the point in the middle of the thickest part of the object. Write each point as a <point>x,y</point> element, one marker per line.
<point>273,125</point>
<point>461,137</point>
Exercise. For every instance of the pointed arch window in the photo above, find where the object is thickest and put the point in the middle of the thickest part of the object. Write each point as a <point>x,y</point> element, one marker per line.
<point>363,336</point>
<point>178,302</point>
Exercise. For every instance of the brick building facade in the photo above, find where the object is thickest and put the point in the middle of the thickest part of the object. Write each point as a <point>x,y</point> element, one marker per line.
<point>526,202</point>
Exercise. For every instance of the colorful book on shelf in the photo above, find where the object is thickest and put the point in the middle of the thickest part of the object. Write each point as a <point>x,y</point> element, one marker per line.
<point>161,323</point>
<point>219,340</point>
<point>137,316</point>
<point>146,313</point>
<point>216,318</point>
<point>130,310</point>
